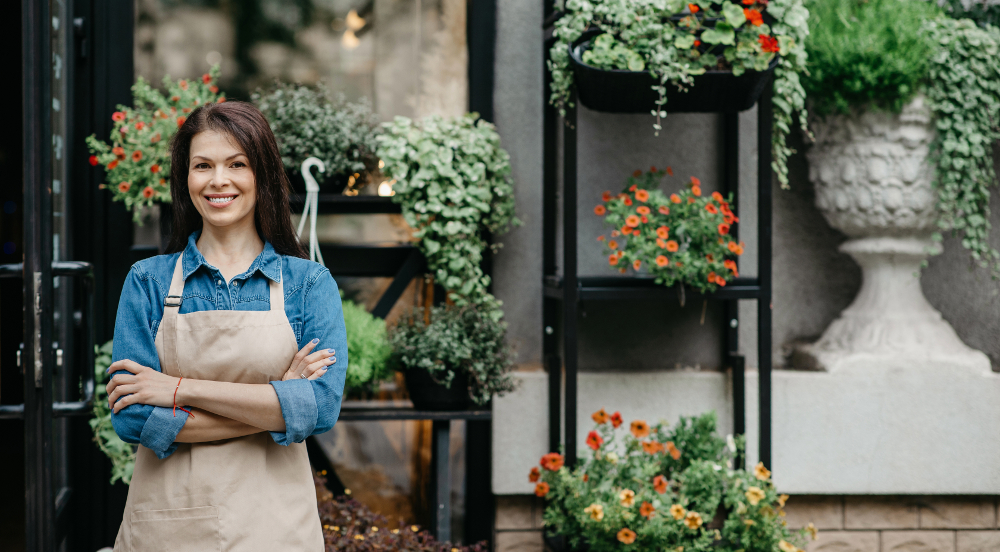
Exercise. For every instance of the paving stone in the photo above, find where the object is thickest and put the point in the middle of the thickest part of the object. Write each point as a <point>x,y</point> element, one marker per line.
<point>978,541</point>
<point>516,512</point>
<point>519,541</point>
<point>875,512</point>
<point>845,541</point>
<point>825,512</point>
<point>918,541</point>
<point>958,513</point>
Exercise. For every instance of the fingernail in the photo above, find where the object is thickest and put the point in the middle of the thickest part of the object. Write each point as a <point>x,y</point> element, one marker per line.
<point>331,351</point>
<point>332,360</point>
<point>315,341</point>
<point>322,371</point>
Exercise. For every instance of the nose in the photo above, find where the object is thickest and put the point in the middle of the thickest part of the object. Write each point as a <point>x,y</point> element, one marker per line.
<point>220,177</point>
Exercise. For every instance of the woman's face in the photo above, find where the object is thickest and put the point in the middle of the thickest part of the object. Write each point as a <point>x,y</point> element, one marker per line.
<point>222,186</point>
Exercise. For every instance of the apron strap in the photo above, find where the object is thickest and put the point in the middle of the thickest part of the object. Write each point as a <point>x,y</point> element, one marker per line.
<point>277,293</point>
<point>172,302</point>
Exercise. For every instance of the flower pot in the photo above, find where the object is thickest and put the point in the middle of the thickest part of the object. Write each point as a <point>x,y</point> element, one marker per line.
<point>559,543</point>
<point>428,394</point>
<point>621,91</point>
<point>334,184</point>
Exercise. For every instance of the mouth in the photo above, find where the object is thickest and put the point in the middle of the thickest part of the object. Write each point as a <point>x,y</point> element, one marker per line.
<point>220,200</point>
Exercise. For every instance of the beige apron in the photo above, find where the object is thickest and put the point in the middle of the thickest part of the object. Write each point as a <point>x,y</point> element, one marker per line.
<point>236,495</point>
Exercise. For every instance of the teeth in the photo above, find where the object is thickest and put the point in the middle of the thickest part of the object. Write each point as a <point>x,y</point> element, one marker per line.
<point>221,199</point>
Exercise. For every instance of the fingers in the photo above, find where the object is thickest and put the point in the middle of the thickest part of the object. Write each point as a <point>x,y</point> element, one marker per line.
<point>319,355</point>
<point>117,380</point>
<point>127,397</point>
<point>318,368</point>
<point>304,352</point>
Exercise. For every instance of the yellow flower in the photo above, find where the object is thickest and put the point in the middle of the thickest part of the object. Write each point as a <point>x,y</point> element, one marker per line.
<point>693,520</point>
<point>596,511</point>
<point>782,500</point>
<point>760,472</point>
<point>677,511</point>
<point>749,522</point>
<point>414,528</point>
<point>374,529</point>
<point>786,546</point>
<point>754,495</point>
<point>812,531</point>
<point>358,537</point>
<point>627,497</point>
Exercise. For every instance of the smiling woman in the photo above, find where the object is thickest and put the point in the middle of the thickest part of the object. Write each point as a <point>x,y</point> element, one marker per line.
<point>224,354</point>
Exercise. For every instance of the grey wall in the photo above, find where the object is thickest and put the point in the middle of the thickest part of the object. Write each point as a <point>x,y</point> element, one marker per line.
<point>812,281</point>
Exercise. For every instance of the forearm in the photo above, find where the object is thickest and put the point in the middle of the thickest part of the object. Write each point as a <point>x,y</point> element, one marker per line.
<point>209,426</point>
<point>252,404</point>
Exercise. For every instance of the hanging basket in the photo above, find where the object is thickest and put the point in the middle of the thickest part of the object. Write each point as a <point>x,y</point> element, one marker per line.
<point>622,91</point>
<point>428,394</point>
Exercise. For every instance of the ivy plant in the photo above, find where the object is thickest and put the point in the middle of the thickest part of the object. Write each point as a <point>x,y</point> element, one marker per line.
<point>121,454</point>
<point>453,181</point>
<point>674,41</point>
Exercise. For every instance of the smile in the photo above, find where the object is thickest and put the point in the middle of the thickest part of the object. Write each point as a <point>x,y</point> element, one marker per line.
<point>221,201</point>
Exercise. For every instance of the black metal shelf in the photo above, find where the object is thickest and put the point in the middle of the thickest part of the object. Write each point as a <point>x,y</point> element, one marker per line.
<point>339,204</point>
<point>366,413</point>
<point>641,288</point>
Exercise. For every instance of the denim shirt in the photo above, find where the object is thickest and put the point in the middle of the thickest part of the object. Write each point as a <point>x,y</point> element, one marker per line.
<point>312,305</point>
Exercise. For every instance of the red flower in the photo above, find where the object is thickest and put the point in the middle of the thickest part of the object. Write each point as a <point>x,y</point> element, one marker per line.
<point>697,43</point>
<point>627,201</point>
<point>112,164</point>
<point>670,171</point>
<point>206,78</point>
<point>137,156</point>
<point>148,192</point>
<point>637,173</point>
<point>140,125</point>
<point>769,44</point>
<point>117,116</point>
<point>613,259</point>
<point>606,196</point>
<point>754,17</point>
<point>660,484</point>
<point>175,98</point>
<point>616,420</point>
<point>93,160</point>
<point>119,152</point>
<point>664,210</point>
<point>642,195</point>
<point>156,138</point>
<point>723,229</point>
<point>180,121</point>
<point>711,209</point>
<point>695,182</point>
<point>748,2</point>
<point>154,169</point>
<point>718,197</point>
<point>552,461</point>
<point>594,440</point>
<point>644,219</point>
<point>636,264</point>
<point>123,187</point>
<point>626,230</point>
<point>534,475</point>
<point>720,281</point>
<point>652,168</point>
<point>694,8</point>
<point>542,489</point>
<point>600,210</point>
<point>222,99</point>
<point>214,89</point>
<point>183,84</point>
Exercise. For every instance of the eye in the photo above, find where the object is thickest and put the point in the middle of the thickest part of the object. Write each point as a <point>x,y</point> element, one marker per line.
<point>201,166</point>
<point>239,165</point>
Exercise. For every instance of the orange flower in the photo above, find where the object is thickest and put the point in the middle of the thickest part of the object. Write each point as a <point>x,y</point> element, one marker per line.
<point>696,191</point>
<point>694,8</point>
<point>616,420</point>
<point>661,242</point>
<point>640,429</point>
<point>615,233</point>
<point>626,230</point>
<point>534,475</point>
<point>754,17</point>
<point>148,192</point>
<point>155,138</point>
<point>119,152</point>
<point>675,198</point>
<point>214,89</point>
<point>586,478</point>
<point>732,246</point>
<point>652,447</point>
<point>647,510</point>
<point>606,196</point>
<point>123,187</point>
<point>695,182</point>
<point>723,229</point>
<point>112,164</point>
<point>627,498</point>
<point>642,195</point>
<point>600,238</point>
<point>720,281</point>
<point>660,484</point>
<point>711,276</point>
<point>663,232</point>
<point>637,173</point>
<point>760,472</point>
<point>627,201</point>
<point>154,169</point>
<point>222,99</point>
<point>140,125</point>
<point>626,536</point>
<point>675,453</point>
<point>632,221</point>
<point>672,246</point>
<point>642,209</point>
<point>662,261</point>
<point>709,258</point>
<point>691,199</point>
<point>137,156</point>
<point>636,264</point>
<point>613,244</point>
<point>748,2</point>
<point>663,209</point>
<point>613,259</point>
<point>117,116</point>
<point>600,210</point>
<point>693,520</point>
<point>670,171</point>
<point>677,511</point>
<point>180,121</point>
<point>600,417</point>
<point>553,461</point>
<point>711,209</point>
<point>718,197</point>
<point>183,84</point>
<point>542,489</point>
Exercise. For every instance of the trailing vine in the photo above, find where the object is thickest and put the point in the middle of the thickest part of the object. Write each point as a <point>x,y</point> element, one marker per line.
<point>674,41</point>
<point>964,90</point>
<point>121,454</point>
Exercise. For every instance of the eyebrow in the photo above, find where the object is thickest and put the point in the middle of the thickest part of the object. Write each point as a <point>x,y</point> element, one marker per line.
<point>233,156</point>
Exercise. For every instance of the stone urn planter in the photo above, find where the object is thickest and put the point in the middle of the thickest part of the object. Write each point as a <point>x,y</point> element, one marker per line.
<point>873,183</point>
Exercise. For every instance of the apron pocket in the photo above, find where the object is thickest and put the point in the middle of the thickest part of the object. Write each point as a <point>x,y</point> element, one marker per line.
<point>184,529</point>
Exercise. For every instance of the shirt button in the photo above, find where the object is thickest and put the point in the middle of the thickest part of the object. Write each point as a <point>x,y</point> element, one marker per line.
<point>219,282</point>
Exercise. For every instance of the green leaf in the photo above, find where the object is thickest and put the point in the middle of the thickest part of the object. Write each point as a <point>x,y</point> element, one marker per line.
<point>734,14</point>
<point>721,34</point>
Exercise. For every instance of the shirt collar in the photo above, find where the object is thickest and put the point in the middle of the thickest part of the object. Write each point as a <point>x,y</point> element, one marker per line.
<point>268,262</point>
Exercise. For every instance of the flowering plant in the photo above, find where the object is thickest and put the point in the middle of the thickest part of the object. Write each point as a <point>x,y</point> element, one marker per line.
<point>137,159</point>
<point>675,40</point>
<point>682,238</point>
<point>663,488</point>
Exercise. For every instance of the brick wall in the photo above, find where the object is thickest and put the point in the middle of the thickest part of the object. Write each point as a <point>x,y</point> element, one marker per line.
<point>846,523</point>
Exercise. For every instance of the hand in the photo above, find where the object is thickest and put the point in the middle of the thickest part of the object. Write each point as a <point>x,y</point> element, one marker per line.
<point>310,366</point>
<point>142,385</point>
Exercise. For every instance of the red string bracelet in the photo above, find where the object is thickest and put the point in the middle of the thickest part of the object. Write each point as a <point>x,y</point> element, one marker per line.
<point>175,401</point>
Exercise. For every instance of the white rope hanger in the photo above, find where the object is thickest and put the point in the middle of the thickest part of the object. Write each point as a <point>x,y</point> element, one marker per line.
<point>309,209</point>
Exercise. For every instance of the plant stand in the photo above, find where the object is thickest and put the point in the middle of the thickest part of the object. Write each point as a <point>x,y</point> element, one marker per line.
<point>562,295</point>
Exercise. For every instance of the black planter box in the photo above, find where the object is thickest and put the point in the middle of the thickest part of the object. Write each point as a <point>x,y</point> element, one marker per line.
<point>428,394</point>
<point>334,184</point>
<point>619,91</point>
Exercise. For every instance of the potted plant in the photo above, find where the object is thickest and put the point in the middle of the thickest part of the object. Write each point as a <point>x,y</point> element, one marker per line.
<point>661,488</point>
<point>137,158</point>
<point>314,122</point>
<point>682,238</point>
<point>707,55</point>
<point>121,454</point>
<point>453,181</point>
<point>368,351</point>
<point>451,355</point>
<point>907,103</point>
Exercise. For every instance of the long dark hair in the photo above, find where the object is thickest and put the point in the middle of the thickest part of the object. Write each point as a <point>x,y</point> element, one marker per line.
<point>246,126</point>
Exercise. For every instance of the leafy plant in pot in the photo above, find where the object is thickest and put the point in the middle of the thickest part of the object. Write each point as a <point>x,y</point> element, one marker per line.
<point>706,55</point>
<point>368,349</point>
<point>452,355</point>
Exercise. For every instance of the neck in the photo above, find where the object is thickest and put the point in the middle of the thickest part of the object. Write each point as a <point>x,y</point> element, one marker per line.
<point>230,248</point>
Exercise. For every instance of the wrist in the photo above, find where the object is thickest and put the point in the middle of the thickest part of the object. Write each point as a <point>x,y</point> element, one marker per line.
<point>187,392</point>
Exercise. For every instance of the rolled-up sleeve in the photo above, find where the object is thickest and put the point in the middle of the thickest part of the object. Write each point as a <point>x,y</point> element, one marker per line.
<point>310,407</point>
<point>153,427</point>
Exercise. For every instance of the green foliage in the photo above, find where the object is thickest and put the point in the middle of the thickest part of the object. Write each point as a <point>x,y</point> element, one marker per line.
<point>867,53</point>
<point>683,238</point>
<point>137,159</point>
<point>121,454</point>
<point>964,92</point>
<point>315,122</point>
<point>983,12</point>
<point>453,182</point>
<point>664,486</point>
<point>368,350</point>
<point>673,45</point>
<point>467,339</point>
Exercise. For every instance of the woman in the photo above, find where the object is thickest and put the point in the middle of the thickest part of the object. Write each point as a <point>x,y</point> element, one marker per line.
<point>229,351</point>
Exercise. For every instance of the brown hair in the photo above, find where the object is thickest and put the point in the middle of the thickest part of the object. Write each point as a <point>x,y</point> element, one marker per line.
<point>248,128</point>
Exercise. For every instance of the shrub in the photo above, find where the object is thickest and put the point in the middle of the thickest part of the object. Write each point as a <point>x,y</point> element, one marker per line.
<point>121,454</point>
<point>368,350</point>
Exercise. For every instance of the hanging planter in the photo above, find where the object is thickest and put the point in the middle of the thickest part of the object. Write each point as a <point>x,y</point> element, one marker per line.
<point>624,91</point>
